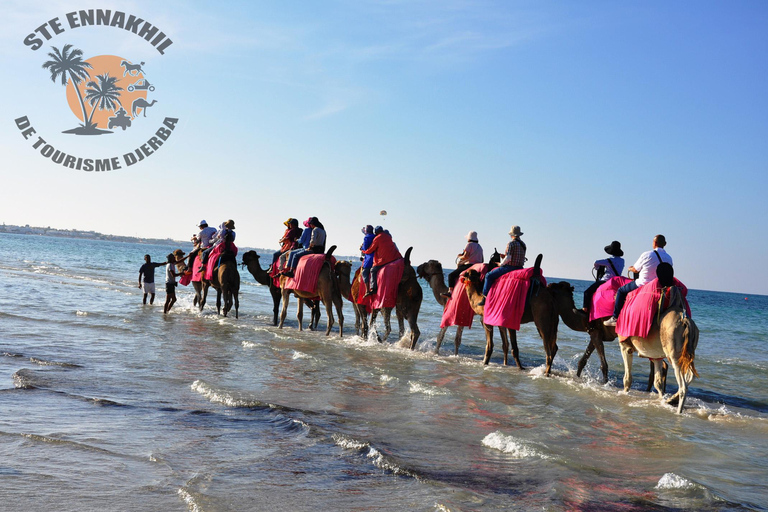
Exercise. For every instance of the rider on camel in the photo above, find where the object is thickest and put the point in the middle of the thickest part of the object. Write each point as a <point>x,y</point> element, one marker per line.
<point>606,269</point>
<point>289,240</point>
<point>225,230</point>
<point>471,255</point>
<point>384,251</point>
<point>514,258</point>
<point>367,258</point>
<point>316,246</point>
<point>645,266</point>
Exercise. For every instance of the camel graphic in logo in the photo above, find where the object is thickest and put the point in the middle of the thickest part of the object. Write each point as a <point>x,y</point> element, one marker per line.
<point>104,92</point>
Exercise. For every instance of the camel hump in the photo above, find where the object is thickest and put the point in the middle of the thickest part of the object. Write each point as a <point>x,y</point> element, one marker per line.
<point>407,257</point>
<point>329,253</point>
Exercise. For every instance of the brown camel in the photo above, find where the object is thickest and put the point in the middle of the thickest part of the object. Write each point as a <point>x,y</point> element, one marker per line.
<point>578,320</point>
<point>409,297</point>
<point>539,308</point>
<point>251,262</point>
<point>226,282</point>
<point>432,272</point>
<point>326,288</point>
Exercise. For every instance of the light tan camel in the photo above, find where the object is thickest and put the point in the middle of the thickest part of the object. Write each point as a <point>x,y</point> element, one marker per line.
<point>432,272</point>
<point>539,308</point>
<point>409,297</point>
<point>599,333</point>
<point>674,336</point>
<point>326,288</point>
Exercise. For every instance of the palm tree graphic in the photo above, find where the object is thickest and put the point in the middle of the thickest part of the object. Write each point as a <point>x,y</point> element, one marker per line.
<point>66,64</point>
<point>105,94</point>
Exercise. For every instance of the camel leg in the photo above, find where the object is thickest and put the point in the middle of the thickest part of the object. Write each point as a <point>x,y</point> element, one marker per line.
<point>546,323</point>
<point>457,341</point>
<point>400,323</point>
<point>415,332</point>
<point>515,349</point>
<point>300,315</point>
<point>358,326</point>
<point>284,311</point>
<point>584,359</point>
<point>488,343</point>
<point>218,301</point>
<point>656,363</point>
<point>440,337</point>
<point>237,303</point>
<point>595,342</point>
<point>387,323</point>
<point>276,295</point>
<point>504,333</point>
<point>626,355</point>
<point>339,304</point>
<point>328,303</point>
<point>372,324</point>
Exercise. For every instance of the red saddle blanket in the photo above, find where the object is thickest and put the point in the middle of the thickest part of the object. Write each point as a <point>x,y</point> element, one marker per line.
<point>213,259</point>
<point>457,310</point>
<point>388,282</point>
<point>505,303</point>
<point>605,297</point>
<point>641,307</point>
<point>197,275</point>
<point>307,272</point>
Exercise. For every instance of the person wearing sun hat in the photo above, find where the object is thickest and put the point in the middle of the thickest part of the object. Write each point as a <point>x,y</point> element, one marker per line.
<point>289,240</point>
<point>514,259</point>
<point>472,254</point>
<point>606,269</point>
<point>301,248</point>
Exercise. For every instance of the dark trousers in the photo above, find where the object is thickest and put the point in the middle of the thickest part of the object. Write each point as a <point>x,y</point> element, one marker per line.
<point>621,297</point>
<point>374,277</point>
<point>367,277</point>
<point>454,276</point>
<point>589,293</point>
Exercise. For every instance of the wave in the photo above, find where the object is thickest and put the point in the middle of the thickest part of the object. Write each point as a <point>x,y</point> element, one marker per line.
<point>511,446</point>
<point>418,387</point>
<point>379,459</point>
<point>43,362</point>
<point>673,481</point>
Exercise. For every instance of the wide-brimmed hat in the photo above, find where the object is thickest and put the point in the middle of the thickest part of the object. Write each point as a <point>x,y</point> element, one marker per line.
<point>202,223</point>
<point>289,221</point>
<point>614,249</point>
<point>472,236</point>
<point>306,222</point>
<point>230,224</point>
<point>178,252</point>
<point>515,231</point>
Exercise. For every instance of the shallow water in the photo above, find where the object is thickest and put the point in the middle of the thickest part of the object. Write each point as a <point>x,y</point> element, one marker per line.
<point>109,404</point>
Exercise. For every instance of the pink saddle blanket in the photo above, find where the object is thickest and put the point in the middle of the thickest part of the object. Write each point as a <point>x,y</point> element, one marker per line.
<point>307,273</point>
<point>213,259</point>
<point>457,310</point>
<point>388,281</point>
<point>605,297</point>
<point>505,303</point>
<point>642,305</point>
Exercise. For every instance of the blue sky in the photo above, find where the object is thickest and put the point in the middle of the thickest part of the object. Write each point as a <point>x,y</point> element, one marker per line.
<point>582,122</point>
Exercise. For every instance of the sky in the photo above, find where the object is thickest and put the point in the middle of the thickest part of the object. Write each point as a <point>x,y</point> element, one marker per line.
<point>581,122</point>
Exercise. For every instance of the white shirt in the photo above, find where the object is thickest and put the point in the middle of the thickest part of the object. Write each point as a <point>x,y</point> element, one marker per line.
<point>646,264</point>
<point>169,277</point>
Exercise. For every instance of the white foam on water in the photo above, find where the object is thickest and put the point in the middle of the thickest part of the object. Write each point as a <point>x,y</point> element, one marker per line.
<point>348,443</point>
<point>81,313</point>
<point>512,446</point>
<point>221,397</point>
<point>249,344</point>
<point>189,500</point>
<point>302,355</point>
<point>387,378</point>
<point>439,507</point>
<point>418,387</point>
<point>673,481</point>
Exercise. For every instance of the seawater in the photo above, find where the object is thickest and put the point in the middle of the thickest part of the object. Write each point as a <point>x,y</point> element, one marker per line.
<point>108,404</point>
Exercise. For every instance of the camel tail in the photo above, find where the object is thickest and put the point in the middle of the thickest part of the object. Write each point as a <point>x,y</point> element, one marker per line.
<point>690,340</point>
<point>407,257</point>
<point>330,252</point>
<point>537,266</point>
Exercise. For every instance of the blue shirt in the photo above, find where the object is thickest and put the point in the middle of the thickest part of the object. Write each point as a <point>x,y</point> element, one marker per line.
<point>367,241</point>
<point>306,236</point>
<point>617,262</point>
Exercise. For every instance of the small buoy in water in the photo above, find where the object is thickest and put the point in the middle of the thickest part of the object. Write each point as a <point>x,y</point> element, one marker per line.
<point>746,298</point>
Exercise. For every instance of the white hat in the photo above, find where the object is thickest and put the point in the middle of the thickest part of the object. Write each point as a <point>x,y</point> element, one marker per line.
<point>472,236</point>
<point>202,223</point>
<point>515,231</point>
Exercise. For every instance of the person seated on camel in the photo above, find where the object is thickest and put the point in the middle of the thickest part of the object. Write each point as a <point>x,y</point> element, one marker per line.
<point>225,230</point>
<point>606,269</point>
<point>471,255</point>
<point>301,245</point>
<point>645,266</point>
<point>367,258</point>
<point>384,251</point>
<point>288,241</point>
<point>514,259</point>
<point>316,246</point>
<point>202,239</point>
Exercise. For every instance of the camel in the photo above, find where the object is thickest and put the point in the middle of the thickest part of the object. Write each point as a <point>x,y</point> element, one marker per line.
<point>539,308</point>
<point>141,103</point>
<point>226,282</point>
<point>578,320</point>
<point>251,261</point>
<point>432,272</point>
<point>673,335</point>
<point>409,297</point>
<point>326,288</point>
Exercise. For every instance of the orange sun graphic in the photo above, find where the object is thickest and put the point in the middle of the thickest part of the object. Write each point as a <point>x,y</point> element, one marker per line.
<point>101,107</point>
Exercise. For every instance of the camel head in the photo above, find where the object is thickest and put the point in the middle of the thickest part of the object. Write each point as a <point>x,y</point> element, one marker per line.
<point>343,270</point>
<point>429,269</point>
<point>576,319</point>
<point>250,257</point>
<point>495,257</point>
<point>471,278</point>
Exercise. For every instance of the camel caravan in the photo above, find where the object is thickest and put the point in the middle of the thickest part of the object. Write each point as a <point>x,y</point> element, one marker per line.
<point>649,315</point>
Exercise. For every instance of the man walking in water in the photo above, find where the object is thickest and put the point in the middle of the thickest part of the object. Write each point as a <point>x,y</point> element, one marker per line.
<point>170,284</point>
<point>645,266</point>
<point>148,271</point>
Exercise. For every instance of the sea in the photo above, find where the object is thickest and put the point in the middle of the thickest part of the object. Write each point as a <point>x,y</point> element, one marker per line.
<point>110,405</point>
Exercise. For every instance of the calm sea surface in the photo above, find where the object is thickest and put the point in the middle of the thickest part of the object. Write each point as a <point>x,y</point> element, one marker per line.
<point>106,404</point>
